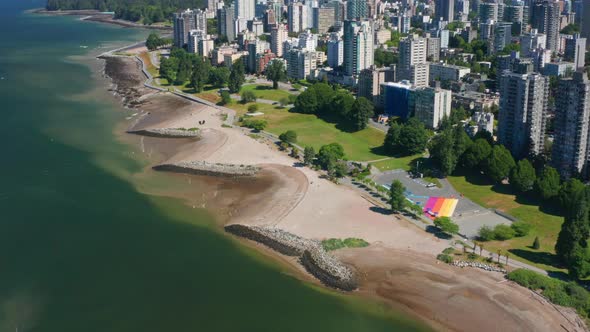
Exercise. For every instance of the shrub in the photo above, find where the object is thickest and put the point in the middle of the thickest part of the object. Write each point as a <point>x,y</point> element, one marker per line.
<point>503,232</point>
<point>284,101</point>
<point>248,96</point>
<point>536,243</point>
<point>288,137</point>
<point>445,258</point>
<point>253,108</point>
<point>446,225</point>
<point>225,97</point>
<point>254,124</point>
<point>485,233</point>
<point>333,244</point>
<point>521,228</point>
<point>448,251</point>
<point>471,256</point>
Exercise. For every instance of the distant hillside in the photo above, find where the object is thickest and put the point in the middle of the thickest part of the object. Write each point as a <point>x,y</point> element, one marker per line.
<point>147,11</point>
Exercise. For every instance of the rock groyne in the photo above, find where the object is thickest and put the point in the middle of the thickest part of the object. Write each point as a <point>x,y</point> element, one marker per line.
<point>311,254</point>
<point>167,132</point>
<point>210,169</point>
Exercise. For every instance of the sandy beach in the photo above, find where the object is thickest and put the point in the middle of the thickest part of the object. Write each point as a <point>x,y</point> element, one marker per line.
<point>399,268</point>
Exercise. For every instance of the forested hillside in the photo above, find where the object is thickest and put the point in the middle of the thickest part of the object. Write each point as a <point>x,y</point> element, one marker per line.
<point>147,11</point>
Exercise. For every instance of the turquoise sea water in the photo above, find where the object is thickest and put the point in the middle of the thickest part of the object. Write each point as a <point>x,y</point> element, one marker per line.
<point>82,250</point>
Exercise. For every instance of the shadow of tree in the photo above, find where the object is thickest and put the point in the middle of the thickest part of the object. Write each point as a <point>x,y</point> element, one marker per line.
<point>545,258</point>
<point>381,210</point>
<point>437,232</point>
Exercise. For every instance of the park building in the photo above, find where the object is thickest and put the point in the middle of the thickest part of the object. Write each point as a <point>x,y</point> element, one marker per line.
<point>523,113</point>
<point>570,152</point>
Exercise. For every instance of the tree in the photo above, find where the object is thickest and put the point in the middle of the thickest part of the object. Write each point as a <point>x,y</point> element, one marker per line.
<point>476,153</point>
<point>225,97</point>
<point>284,101</point>
<point>360,113</point>
<point>329,155</point>
<point>397,198</point>
<point>154,41</point>
<point>499,164</point>
<point>248,96</point>
<point>523,176</point>
<point>446,225</point>
<point>342,103</point>
<point>276,72</point>
<point>521,228</point>
<point>324,95</point>
<point>308,155</point>
<point>485,233</point>
<point>536,243</point>
<point>407,139</point>
<point>200,73</point>
<point>416,209</point>
<point>219,76</point>
<point>548,183</point>
<point>503,232</point>
<point>339,170</point>
<point>570,192</point>
<point>307,102</point>
<point>288,137</point>
<point>237,76</point>
<point>572,242</point>
<point>169,69</point>
<point>255,124</point>
<point>442,152</point>
<point>253,108</point>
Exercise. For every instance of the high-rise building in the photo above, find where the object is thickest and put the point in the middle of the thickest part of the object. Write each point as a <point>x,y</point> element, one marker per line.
<point>298,17</point>
<point>358,46</point>
<point>335,50</point>
<point>356,9</point>
<point>545,18</point>
<point>255,48</point>
<point>570,152</point>
<point>523,112</point>
<point>369,83</point>
<point>488,11</point>
<point>502,35</point>
<point>412,65</point>
<point>245,9</point>
<point>532,40</point>
<point>225,22</point>
<point>300,64</point>
<point>432,49</point>
<point>432,105</point>
<point>575,50</point>
<point>323,19</point>
<point>445,10</point>
<point>278,35</point>
<point>308,41</point>
<point>515,15</point>
<point>397,99</point>
<point>339,12</point>
<point>185,22</point>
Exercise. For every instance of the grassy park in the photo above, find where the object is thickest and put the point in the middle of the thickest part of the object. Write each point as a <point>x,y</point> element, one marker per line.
<point>263,91</point>
<point>545,224</point>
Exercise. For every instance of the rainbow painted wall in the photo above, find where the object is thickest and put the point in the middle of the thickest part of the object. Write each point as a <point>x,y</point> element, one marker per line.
<point>441,206</point>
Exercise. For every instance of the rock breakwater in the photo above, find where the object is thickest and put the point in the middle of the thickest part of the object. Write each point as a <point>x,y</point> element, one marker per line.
<point>211,169</point>
<point>311,254</point>
<point>168,132</point>
<point>479,265</point>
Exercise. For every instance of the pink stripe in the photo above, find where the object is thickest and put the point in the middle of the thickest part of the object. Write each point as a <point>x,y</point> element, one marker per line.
<point>430,203</point>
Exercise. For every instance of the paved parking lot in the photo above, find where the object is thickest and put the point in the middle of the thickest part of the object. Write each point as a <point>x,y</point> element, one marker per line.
<point>468,215</point>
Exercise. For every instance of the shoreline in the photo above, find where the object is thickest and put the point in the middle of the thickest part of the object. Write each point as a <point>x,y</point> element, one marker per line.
<point>97,16</point>
<point>337,219</point>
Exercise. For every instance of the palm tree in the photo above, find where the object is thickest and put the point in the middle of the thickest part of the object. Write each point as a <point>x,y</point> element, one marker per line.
<point>507,254</point>
<point>480,248</point>
<point>474,246</point>
<point>499,255</point>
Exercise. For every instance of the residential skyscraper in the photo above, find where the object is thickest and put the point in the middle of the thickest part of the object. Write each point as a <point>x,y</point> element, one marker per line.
<point>335,50</point>
<point>432,105</point>
<point>358,46</point>
<point>297,17</point>
<point>575,50</point>
<point>185,22</point>
<point>532,40</point>
<point>412,65</point>
<point>369,83</point>
<point>300,63</point>
<point>523,112</point>
<point>488,11</point>
<point>323,19</point>
<point>546,19</point>
<point>225,22</point>
<point>278,35</point>
<point>245,9</point>
<point>445,10</point>
<point>570,152</point>
<point>356,9</point>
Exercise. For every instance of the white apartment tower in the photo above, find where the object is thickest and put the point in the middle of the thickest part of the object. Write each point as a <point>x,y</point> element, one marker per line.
<point>278,36</point>
<point>412,64</point>
<point>358,46</point>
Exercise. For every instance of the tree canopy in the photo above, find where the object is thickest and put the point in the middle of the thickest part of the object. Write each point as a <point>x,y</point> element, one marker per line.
<point>406,139</point>
<point>397,198</point>
<point>237,76</point>
<point>276,72</point>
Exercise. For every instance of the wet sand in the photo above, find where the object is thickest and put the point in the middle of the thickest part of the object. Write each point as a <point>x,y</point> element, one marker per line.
<point>399,268</point>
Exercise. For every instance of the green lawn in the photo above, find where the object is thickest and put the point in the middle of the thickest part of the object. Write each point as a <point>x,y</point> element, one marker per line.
<point>545,225</point>
<point>263,91</point>
<point>313,131</point>
<point>404,163</point>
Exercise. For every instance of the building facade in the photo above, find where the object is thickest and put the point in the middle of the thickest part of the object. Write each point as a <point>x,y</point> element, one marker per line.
<point>358,46</point>
<point>412,64</point>
<point>432,105</point>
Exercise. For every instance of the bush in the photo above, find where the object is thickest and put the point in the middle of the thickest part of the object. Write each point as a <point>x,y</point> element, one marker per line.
<point>253,108</point>
<point>448,251</point>
<point>536,243</point>
<point>521,228</point>
<point>225,97</point>
<point>446,225</point>
<point>503,232</point>
<point>254,124</point>
<point>445,258</point>
<point>248,96</point>
<point>333,244</point>
<point>471,256</point>
<point>485,233</point>
<point>288,137</point>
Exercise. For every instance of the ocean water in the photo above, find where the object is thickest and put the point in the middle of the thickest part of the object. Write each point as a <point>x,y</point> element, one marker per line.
<point>81,249</point>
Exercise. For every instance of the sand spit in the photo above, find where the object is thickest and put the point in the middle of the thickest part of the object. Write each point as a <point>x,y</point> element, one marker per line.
<point>398,268</point>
